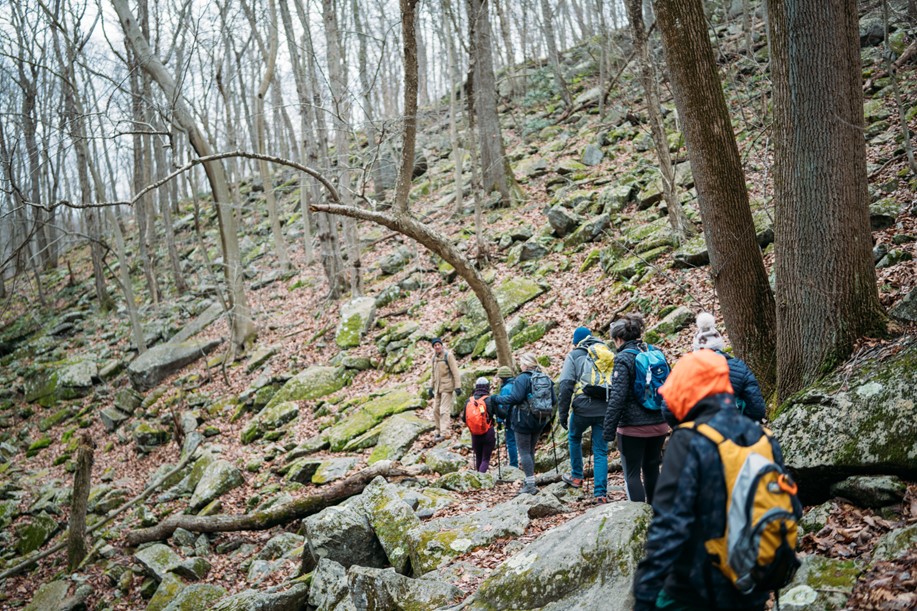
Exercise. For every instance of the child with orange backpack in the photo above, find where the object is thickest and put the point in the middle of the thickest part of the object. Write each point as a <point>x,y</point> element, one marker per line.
<point>483,436</point>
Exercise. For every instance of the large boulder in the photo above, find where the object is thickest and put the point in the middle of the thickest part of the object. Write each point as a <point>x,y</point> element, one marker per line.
<point>341,533</point>
<point>218,478</point>
<point>329,589</point>
<point>279,598</point>
<point>312,383</point>
<point>366,416</point>
<point>860,422</point>
<point>397,435</point>
<point>159,362</point>
<point>356,319</point>
<point>53,383</point>
<point>385,589</point>
<point>391,519</point>
<point>55,596</point>
<point>871,491</point>
<point>820,584</point>
<point>562,221</point>
<point>31,535</point>
<point>436,542</point>
<point>587,563</point>
<point>158,560</point>
<point>203,320</point>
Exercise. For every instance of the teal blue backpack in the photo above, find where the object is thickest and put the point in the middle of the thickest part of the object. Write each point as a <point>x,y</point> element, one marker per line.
<point>650,372</point>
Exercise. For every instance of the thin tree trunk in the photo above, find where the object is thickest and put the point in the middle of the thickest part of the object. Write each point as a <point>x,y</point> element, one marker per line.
<point>735,259</point>
<point>824,265</point>
<point>372,137</point>
<point>178,278</point>
<point>458,152</point>
<point>242,327</point>
<point>681,227</point>
<point>82,481</point>
<point>405,174</point>
<point>547,24</point>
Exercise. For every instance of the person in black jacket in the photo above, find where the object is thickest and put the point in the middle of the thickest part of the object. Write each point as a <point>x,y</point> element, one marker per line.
<point>689,506</point>
<point>640,432</point>
<point>587,413</point>
<point>744,383</point>
<point>526,427</point>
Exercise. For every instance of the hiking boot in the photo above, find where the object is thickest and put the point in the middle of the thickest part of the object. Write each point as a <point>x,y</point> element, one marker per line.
<point>527,489</point>
<point>437,438</point>
<point>601,500</point>
<point>575,482</point>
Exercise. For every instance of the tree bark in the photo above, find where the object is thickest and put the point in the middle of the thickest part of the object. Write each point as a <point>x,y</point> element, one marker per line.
<point>735,259</point>
<point>547,26</point>
<point>242,327</point>
<point>82,482</point>
<point>275,516</point>
<point>677,219</point>
<point>495,169</point>
<point>825,273</point>
<point>406,173</point>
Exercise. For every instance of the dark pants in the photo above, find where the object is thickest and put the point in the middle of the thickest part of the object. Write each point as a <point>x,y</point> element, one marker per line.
<point>525,442</point>
<point>640,454</point>
<point>511,444</point>
<point>483,447</point>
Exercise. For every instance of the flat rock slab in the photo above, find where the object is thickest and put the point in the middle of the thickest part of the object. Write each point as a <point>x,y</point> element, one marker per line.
<point>218,478</point>
<point>397,436</point>
<point>587,563</point>
<point>312,383</point>
<point>435,542</point>
<point>385,589</point>
<point>334,468</point>
<point>159,362</point>
<point>203,320</point>
<point>366,416</point>
<point>158,559</point>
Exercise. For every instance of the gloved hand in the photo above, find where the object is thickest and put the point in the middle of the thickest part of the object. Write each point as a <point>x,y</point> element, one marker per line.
<point>430,393</point>
<point>564,423</point>
<point>488,402</point>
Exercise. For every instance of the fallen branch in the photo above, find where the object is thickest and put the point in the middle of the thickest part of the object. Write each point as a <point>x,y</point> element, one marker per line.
<point>111,516</point>
<point>276,516</point>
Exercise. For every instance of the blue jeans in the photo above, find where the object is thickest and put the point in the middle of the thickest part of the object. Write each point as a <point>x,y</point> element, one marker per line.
<point>511,445</point>
<point>578,426</point>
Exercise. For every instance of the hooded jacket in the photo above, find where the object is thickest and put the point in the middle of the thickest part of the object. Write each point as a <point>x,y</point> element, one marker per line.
<point>623,407</point>
<point>446,375</point>
<point>689,508</point>
<point>745,386</point>
<point>582,405</point>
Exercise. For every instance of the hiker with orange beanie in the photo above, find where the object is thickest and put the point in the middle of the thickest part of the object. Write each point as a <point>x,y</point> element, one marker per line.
<point>695,517</point>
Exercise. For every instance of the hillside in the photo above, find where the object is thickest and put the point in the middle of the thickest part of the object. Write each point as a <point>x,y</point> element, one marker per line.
<point>321,397</point>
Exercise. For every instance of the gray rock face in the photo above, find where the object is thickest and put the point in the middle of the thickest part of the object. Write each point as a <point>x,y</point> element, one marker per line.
<point>385,589</point>
<point>395,262</point>
<point>343,534</point>
<point>895,544</point>
<point>391,519</point>
<point>592,155</point>
<point>588,563</point>
<point>203,320</point>
<point>435,542</point>
<point>531,250</point>
<point>159,362</point>
<point>866,422</point>
<point>906,309</point>
<point>562,221</point>
<point>329,589</point>
<point>871,491</point>
<point>397,435</point>
<point>219,478</point>
<point>196,597</point>
<point>273,599</point>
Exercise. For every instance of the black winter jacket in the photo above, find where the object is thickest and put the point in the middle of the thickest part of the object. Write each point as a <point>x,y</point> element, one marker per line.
<point>508,406</point>
<point>623,407</point>
<point>582,405</point>
<point>690,508</point>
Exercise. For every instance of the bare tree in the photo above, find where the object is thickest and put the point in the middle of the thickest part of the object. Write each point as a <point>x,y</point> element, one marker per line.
<point>547,28</point>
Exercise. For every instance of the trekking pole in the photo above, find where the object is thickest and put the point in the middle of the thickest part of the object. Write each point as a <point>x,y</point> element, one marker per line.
<point>499,466</point>
<point>554,446</point>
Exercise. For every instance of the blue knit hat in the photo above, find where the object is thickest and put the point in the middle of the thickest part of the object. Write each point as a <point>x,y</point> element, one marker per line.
<point>580,334</point>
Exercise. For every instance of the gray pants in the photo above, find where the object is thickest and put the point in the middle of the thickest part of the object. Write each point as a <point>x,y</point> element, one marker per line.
<point>525,444</point>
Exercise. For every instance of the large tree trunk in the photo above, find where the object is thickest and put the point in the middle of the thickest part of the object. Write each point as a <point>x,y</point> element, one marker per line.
<point>677,219</point>
<point>82,481</point>
<point>825,274</point>
<point>495,169</point>
<point>243,329</point>
<point>297,509</point>
<point>735,258</point>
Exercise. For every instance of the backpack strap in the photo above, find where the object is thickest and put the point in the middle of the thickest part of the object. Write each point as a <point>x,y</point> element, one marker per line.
<point>706,430</point>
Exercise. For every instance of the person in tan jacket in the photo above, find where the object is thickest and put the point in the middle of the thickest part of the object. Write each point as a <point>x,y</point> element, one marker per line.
<point>446,379</point>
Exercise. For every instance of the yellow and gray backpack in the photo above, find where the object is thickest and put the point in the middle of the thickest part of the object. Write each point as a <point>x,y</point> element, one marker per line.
<point>595,378</point>
<point>757,552</point>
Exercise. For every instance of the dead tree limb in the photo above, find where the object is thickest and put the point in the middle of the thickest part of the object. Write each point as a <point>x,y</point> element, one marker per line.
<point>276,516</point>
<point>82,481</point>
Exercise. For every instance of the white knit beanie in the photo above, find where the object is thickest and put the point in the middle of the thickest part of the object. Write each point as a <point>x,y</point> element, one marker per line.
<point>707,336</point>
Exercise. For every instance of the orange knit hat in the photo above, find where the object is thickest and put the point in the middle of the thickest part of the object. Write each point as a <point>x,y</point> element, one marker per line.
<point>697,375</point>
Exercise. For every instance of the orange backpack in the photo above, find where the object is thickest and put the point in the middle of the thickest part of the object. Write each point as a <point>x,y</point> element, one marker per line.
<point>476,416</point>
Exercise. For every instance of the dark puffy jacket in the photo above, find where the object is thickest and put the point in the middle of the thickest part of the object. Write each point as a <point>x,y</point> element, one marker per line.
<point>508,406</point>
<point>584,406</point>
<point>745,387</point>
<point>623,407</point>
<point>690,508</point>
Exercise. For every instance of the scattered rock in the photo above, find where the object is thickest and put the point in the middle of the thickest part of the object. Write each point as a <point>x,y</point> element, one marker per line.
<point>562,221</point>
<point>385,589</point>
<point>219,478</point>
<point>356,318</point>
<point>464,481</point>
<point>334,468</point>
<point>895,544</point>
<point>592,155</point>
<point>148,436</point>
<point>906,309</point>
<point>31,535</point>
<point>393,263</point>
<point>159,362</point>
<point>369,415</point>
<point>329,586</point>
<point>677,320</point>
<point>196,597</point>
<point>280,598</point>
<point>158,559</point>
<point>443,461</point>
<point>201,322</point>
<point>270,418</point>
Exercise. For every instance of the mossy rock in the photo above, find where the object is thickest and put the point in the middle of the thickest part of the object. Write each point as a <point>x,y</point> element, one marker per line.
<point>442,461</point>
<point>169,588</point>
<point>895,544</point>
<point>196,597</point>
<point>270,418</point>
<point>591,259</point>
<point>37,446</point>
<point>31,535</point>
<point>218,478</point>
<point>396,436</point>
<point>9,511</point>
<point>875,110</point>
<point>466,481</point>
<point>49,596</point>
<point>677,320</point>
<point>391,519</point>
<point>312,383</point>
<point>147,436</point>
<point>356,319</point>
<point>333,469</point>
<point>631,266</point>
<point>511,295</point>
<point>531,334</point>
<point>369,415</point>
<point>821,584</point>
